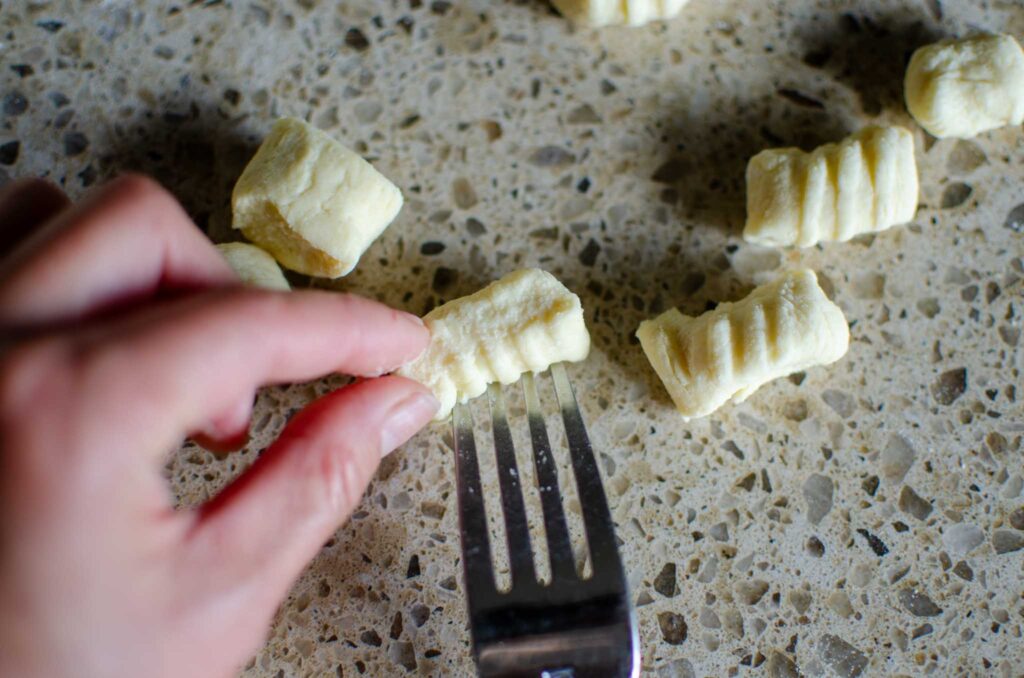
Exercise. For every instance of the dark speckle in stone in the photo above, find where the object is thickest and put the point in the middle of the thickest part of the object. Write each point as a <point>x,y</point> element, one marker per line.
<point>964,571</point>
<point>922,630</point>
<point>918,603</point>
<point>911,502</point>
<point>665,582</point>
<point>475,227</point>
<point>950,386</point>
<point>843,658</point>
<point>956,195</point>
<point>59,100</point>
<point>449,583</point>
<point>440,7</point>
<point>406,22</point>
<point>396,627</point>
<point>815,548</point>
<point>671,171</point>
<point>1015,219</point>
<point>232,96</point>
<point>23,70</point>
<point>876,544</point>
<point>355,39</point>
<point>414,568</point>
<point>50,26</point>
<point>1017,519</point>
<point>15,103</point>
<point>431,248</point>
<point>443,279</point>
<point>9,152</point>
<point>75,143</point>
<point>551,156</point>
<point>61,120</point>
<point>817,59</point>
<point>750,592</point>
<point>747,482</point>
<point>87,176</point>
<point>608,87</point>
<point>420,614</point>
<point>371,638</point>
<point>589,253</point>
<point>870,485</point>
<point>584,185</point>
<point>673,628</point>
<point>403,654</point>
<point>781,666</point>
<point>800,99</point>
<point>1007,541</point>
<point>692,282</point>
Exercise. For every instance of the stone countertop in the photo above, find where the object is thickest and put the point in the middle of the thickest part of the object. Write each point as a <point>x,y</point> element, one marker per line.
<point>860,519</point>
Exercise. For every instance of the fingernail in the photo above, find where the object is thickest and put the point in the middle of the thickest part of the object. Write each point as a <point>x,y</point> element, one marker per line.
<point>405,419</point>
<point>413,319</point>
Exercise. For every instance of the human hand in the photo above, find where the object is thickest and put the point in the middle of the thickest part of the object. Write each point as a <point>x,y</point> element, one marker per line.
<point>124,331</point>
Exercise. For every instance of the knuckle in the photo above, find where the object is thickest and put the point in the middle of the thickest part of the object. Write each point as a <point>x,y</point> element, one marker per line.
<point>337,479</point>
<point>29,371</point>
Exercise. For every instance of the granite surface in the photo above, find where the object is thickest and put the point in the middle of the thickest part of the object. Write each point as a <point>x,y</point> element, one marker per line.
<point>860,519</point>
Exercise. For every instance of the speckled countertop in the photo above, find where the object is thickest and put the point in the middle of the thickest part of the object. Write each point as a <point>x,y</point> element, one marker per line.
<point>862,519</point>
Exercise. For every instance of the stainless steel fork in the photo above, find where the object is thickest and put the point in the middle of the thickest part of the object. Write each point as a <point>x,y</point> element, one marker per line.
<point>570,627</point>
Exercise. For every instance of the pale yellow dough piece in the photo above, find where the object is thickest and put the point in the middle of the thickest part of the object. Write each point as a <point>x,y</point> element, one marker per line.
<point>863,184</point>
<point>254,266</point>
<point>524,322</point>
<point>960,88</point>
<point>312,203</point>
<point>607,12</point>
<point>782,327</point>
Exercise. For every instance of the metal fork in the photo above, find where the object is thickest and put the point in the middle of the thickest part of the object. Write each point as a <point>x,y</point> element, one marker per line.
<point>571,627</point>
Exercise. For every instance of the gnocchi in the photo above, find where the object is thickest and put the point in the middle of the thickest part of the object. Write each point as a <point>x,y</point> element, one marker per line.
<point>605,12</point>
<point>313,204</point>
<point>523,322</point>
<point>960,88</point>
<point>254,266</point>
<point>725,354</point>
<point>865,183</point>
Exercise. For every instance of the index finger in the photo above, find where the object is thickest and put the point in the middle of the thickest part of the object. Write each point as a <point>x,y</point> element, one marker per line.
<point>173,366</point>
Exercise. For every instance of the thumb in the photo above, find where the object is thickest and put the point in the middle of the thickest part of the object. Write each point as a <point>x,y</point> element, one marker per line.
<point>252,541</point>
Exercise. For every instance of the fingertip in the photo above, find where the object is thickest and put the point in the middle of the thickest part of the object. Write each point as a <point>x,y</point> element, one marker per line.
<point>408,415</point>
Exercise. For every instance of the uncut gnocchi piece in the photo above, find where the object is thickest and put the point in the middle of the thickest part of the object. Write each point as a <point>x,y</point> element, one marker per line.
<point>312,203</point>
<point>606,12</point>
<point>254,266</point>
<point>863,184</point>
<point>781,327</point>
<point>960,88</point>
<point>524,322</point>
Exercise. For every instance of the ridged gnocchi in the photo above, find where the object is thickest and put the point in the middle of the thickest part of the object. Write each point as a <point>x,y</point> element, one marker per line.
<point>312,203</point>
<point>524,322</point>
<point>781,327</point>
<point>960,88</point>
<point>254,266</point>
<point>865,183</point>
<point>606,12</point>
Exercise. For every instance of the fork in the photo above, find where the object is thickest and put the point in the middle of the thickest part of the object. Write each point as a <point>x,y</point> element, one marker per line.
<point>570,627</point>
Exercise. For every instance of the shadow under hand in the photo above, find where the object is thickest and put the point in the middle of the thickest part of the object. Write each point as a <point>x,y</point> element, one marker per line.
<point>197,155</point>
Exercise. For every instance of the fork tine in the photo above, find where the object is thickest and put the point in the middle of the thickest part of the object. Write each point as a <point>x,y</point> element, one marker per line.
<point>476,548</point>
<point>597,519</point>
<point>517,532</point>
<point>555,527</point>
